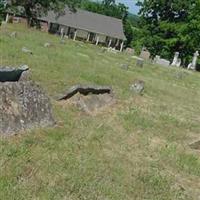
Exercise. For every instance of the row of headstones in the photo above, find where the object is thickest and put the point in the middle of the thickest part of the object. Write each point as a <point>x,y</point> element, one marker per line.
<point>177,61</point>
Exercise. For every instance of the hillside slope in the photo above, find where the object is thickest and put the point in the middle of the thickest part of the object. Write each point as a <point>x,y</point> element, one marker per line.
<point>137,149</point>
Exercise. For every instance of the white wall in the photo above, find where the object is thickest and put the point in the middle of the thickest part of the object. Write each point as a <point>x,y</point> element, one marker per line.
<point>82,34</point>
<point>102,38</point>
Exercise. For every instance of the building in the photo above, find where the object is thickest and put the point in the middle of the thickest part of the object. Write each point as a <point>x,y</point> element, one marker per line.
<point>84,25</point>
<point>92,27</point>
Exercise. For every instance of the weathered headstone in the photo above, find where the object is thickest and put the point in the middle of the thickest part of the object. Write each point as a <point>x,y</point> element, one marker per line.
<point>130,51</point>
<point>139,62</point>
<point>161,61</point>
<point>89,98</point>
<point>137,87</point>
<point>145,54</point>
<point>176,61</point>
<point>23,105</point>
<point>62,33</point>
<point>193,65</point>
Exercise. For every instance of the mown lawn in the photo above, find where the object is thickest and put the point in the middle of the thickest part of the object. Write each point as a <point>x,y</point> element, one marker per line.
<point>137,149</point>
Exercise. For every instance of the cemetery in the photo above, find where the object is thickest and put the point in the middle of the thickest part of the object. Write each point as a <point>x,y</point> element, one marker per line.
<point>78,121</point>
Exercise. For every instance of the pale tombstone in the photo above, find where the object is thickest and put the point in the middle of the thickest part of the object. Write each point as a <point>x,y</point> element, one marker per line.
<point>62,32</point>
<point>194,61</point>
<point>145,54</point>
<point>176,60</point>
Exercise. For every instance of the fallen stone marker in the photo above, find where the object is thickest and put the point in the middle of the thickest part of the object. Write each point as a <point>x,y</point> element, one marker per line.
<point>8,74</point>
<point>161,61</point>
<point>137,87</point>
<point>145,54</point>
<point>195,145</point>
<point>85,90</point>
<point>90,98</point>
<point>125,66</point>
<point>25,50</point>
<point>23,104</point>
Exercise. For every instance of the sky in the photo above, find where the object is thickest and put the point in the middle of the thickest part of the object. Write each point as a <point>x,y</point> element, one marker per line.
<point>131,4</point>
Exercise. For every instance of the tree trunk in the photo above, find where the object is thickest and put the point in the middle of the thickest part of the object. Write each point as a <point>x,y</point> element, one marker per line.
<point>28,15</point>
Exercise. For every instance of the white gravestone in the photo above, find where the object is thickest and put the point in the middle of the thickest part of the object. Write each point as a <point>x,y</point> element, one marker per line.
<point>193,64</point>
<point>176,61</point>
<point>62,33</point>
<point>160,61</point>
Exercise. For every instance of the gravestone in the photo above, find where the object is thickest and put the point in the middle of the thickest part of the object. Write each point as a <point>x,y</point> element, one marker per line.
<point>62,33</point>
<point>89,98</point>
<point>145,54</point>
<point>23,105</point>
<point>137,87</point>
<point>193,65</point>
<point>130,51</point>
<point>139,62</point>
<point>161,61</point>
<point>176,61</point>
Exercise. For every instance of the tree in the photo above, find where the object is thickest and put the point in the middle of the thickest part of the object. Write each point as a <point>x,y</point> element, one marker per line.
<point>2,10</point>
<point>35,8</point>
<point>167,26</point>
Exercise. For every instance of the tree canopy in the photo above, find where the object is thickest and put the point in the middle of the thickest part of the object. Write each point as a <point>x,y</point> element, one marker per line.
<point>2,9</point>
<point>34,8</point>
<point>169,26</point>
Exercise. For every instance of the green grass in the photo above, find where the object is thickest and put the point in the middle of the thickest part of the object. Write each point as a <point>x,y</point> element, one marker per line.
<point>137,149</point>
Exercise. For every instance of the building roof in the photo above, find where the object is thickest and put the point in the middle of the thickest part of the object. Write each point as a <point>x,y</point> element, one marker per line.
<point>88,21</point>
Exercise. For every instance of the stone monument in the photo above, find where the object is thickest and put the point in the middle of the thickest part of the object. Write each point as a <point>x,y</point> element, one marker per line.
<point>176,61</point>
<point>23,104</point>
<point>193,64</point>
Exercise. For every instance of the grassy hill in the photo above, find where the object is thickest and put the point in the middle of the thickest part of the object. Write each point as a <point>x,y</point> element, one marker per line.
<point>137,149</point>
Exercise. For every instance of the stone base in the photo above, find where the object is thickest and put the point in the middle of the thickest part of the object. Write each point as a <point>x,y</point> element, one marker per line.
<point>23,106</point>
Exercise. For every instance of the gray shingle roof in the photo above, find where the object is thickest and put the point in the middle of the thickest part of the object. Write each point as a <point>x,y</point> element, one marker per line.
<point>89,21</point>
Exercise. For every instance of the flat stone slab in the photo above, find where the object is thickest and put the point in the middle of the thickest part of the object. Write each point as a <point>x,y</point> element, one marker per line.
<point>92,103</point>
<point>85,90</point>
<point>23,106</point>
<point>9,74</point>
<point>90,99</point>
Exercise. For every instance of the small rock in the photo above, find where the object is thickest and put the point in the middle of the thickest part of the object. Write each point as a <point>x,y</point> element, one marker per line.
<point>13,34</point>
<point>47,44</point>
<point>140,62</point>
<point>137,87</point>
<point>25,50</point>
<point>125,66</point>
